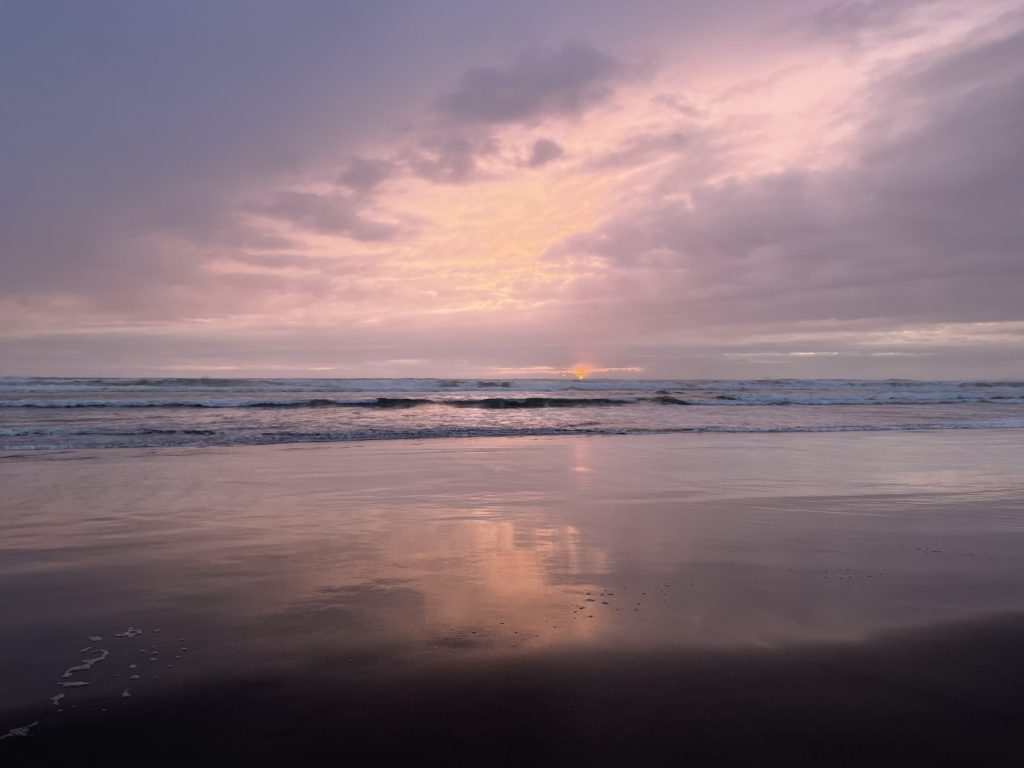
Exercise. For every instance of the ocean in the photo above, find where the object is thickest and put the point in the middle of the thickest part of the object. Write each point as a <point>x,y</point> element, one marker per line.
<point>74,413</point>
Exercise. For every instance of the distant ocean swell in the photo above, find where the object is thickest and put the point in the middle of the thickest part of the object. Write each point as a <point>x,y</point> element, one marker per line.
<point>511,402</point>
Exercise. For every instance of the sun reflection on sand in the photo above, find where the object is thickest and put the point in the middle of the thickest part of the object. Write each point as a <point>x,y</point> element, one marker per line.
<point>483,582</point>
<point>501,583</point>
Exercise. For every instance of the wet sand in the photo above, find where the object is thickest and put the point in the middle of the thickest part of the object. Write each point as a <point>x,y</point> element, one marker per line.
<point>711,599</point>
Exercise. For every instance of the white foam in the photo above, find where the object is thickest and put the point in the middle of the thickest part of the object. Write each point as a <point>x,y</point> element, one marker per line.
<point>87,664</point>
<point>129,633</point>
<point>95,638</point>
<point>20,731</point>
<point>56,699</point>
<point>74,684</point>
<point>125,694</point>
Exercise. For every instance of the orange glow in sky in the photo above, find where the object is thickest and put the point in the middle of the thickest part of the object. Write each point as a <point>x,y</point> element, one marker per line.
<point>644,192</point>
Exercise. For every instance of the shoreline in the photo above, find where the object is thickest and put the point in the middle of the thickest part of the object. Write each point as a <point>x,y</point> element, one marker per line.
<point>443,439</point>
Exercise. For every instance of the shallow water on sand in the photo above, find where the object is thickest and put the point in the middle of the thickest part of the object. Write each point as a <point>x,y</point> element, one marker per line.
<point>407,561</point>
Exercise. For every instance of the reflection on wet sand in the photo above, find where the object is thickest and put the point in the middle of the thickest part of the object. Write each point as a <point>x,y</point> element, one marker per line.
<point>551,580</point>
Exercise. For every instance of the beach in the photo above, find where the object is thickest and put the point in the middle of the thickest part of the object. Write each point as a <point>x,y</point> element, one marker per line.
<point>848,598</point>
<point>548,383</point>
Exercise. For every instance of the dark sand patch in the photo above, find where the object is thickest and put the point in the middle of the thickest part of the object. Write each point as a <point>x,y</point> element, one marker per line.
<point>947,695</point>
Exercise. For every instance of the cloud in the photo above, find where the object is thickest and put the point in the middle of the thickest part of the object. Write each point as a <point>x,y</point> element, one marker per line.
<point>853,17</point>
<point>332,214</point>
<point>363,175</point>
<point>921,224</point>
<point>543,82</point>
<point>448,159</point>
<point>642,149</point>
<point>543,152</point>
<point>121,128</point>
<point>706,220</point>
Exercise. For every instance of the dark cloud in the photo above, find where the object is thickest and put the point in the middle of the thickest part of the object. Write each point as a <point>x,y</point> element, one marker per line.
<point>448,159</point>
<point>334,214</point>
<point>854,17</point>
<point>543,152</point>
<point>542,82</point>
<point>363,175</point>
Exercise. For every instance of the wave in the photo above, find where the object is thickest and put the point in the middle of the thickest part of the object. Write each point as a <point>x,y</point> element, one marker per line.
<point>577,401</point>
<point>320,402</point>
<point>206,438</point>
<point>101,432</point>
<point>535,402</point>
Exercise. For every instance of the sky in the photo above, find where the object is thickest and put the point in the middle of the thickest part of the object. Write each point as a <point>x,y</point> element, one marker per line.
<point>467,188</point>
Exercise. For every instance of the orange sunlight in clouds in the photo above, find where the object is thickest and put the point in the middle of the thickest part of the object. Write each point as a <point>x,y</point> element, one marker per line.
<point>648,176</point>
<point>476,245</point>
<point>500,224</point>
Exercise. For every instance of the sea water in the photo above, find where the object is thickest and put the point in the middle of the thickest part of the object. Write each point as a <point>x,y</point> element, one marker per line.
<point>71,413</point>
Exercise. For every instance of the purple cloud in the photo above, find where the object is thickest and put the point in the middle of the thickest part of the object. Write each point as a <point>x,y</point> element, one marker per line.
<point>334,214</point>
<point>923,224</point>
<point>363,175</point>
<point>542,82</point>
<point>543,152</point>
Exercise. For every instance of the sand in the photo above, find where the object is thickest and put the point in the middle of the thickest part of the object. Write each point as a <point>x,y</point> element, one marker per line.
<point>706,599</point>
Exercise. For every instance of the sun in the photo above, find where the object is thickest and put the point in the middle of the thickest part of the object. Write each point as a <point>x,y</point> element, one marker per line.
<point>580,371</point>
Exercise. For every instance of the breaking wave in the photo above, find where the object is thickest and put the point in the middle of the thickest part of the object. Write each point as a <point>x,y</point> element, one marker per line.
<point>63,440</point>
<point>700,399</point>
<point>144,412</point>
